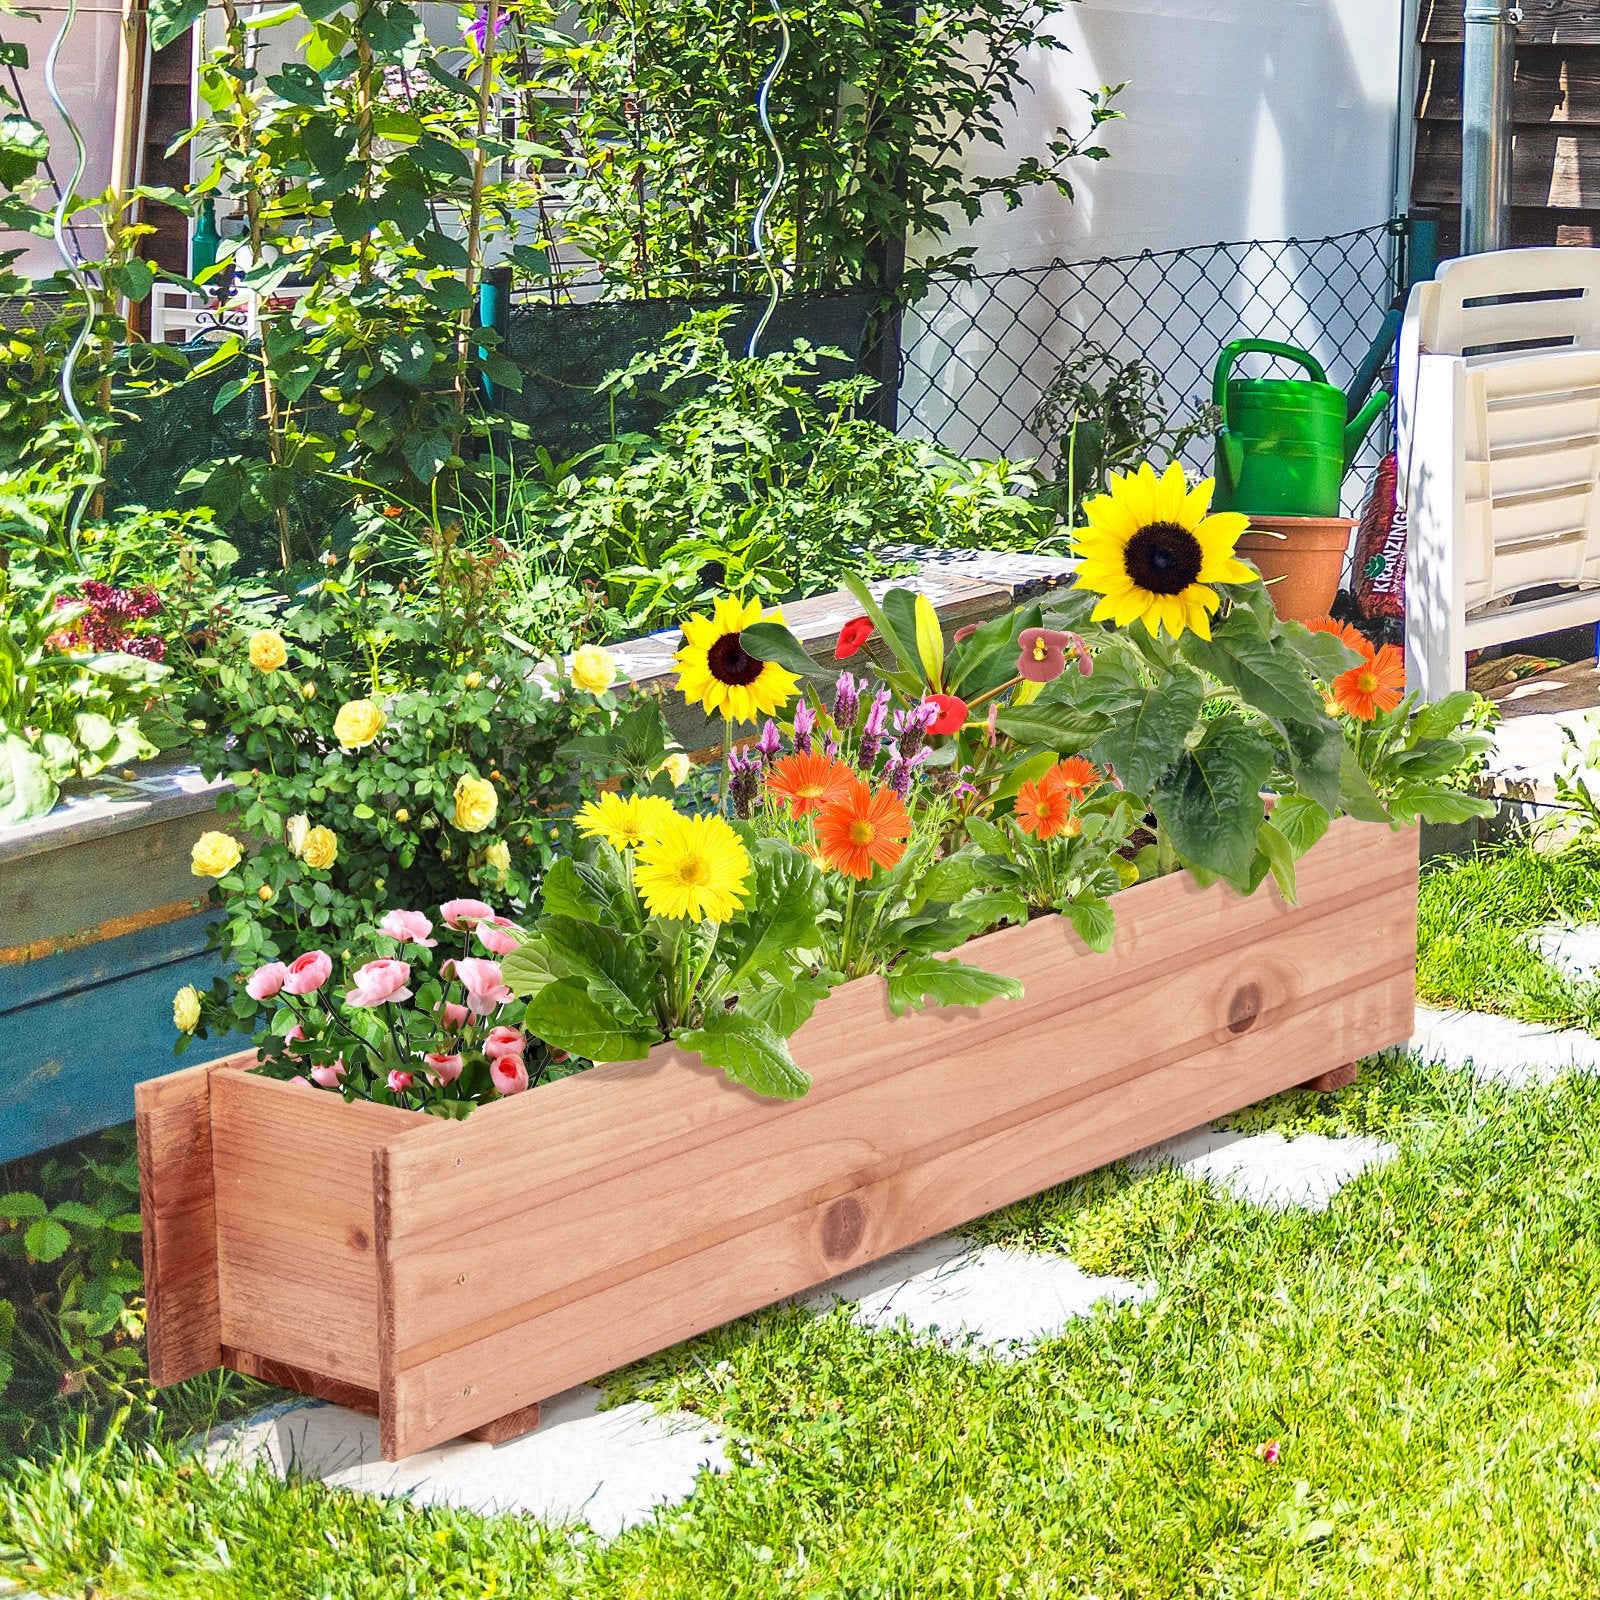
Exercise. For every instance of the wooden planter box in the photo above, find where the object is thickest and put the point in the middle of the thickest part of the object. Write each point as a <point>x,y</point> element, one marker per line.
<point>451,1274</point>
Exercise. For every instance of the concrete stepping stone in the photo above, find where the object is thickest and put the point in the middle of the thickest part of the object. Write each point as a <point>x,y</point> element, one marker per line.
<point>1268,1169</point>
<point>609,1469</point>
<point>1502,1049</point>
<point>1573,951</point>
<point>987,1300</point>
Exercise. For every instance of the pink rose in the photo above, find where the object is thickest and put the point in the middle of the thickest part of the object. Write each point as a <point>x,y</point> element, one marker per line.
<point>409,927</point>
<point>266,981</point>
<point>443,1069</point>
<point>295,1035</point>
<point>301,1079</point>
<point>485,988</point>
<point>509,1074</point>
<point>379,982</point>
<point>399,1081</point>
<point>463,913</point>
<point>308,973</point>
<point>493,937</point>
<point>329,1076</point>
<point>503,1041</point>
<point>455,1017</point>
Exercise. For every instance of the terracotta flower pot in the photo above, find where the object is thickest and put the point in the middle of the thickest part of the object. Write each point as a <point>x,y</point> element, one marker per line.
<point>451,1275</point>
<point>1301,559</point>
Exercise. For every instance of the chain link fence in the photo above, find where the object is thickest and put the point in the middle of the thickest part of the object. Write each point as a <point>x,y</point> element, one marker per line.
<point>981,352</point>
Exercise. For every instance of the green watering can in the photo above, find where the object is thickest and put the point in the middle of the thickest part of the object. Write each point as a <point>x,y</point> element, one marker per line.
<point>1285,444</point>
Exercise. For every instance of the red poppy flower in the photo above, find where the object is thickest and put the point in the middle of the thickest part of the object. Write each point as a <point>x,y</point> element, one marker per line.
<point>952,716</point>
<point>852,636</point>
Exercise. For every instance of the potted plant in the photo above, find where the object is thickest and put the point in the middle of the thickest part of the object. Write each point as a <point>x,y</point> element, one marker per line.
<point>948,941</point>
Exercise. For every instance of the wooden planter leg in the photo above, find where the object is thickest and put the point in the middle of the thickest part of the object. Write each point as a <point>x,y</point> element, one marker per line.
<point>511,1426</point>
<point>1339,1078</point>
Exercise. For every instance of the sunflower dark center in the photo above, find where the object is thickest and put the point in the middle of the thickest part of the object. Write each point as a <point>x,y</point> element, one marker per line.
<point>1163,558</point>
<point>731,663</point>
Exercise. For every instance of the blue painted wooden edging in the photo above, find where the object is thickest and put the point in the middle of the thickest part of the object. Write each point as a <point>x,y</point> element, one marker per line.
<point>78,1030</point>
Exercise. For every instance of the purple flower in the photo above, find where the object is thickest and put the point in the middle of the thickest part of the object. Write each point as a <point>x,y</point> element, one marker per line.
<point>744,782</point>
<point>770,743</point>
<point>847,701</point>
<point>805,719</point>
<point>872,729</point>
<point>911,727</point>
<point>478,31</point>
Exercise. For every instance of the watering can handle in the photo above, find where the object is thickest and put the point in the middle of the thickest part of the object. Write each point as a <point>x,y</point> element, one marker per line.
<point>1265,347</point>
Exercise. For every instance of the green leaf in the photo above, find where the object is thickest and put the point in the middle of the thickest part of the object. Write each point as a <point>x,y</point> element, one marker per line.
<point>784,1005</point>
<point>425,454</point>
<point>1316,758</point>
<point>1436,804</point>
<point>906,661</point>
<point>612,966</point>
<point>46,1240</point>
<point>1210,802</point>
<point>778,918</point>
<point>1093,920</point>
<point>1324,655</point>
<point>298,84</point>
<point>78,1214</point>
<point>920,981</point>
<point>26,787</point>
<point>771,641</point>
<point>1301,821</point>
<point>1356,794</point>
<point>1064,727</point>
<point>566,1015</point>
<point>20,1206</point>
<point>1443,717</point>
<point>1148,732</point>
<point>527,969</point>
<point>1276,851</point>
<point>1269,680</point>
<point>171,19</point>
<point>566,893</point>
<point>749,1051</point>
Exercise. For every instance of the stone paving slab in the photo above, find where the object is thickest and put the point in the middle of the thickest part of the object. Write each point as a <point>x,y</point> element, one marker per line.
<point>609,1469</point>
<point>988,1300</point>
<point>1501,1049</point>
<point>1268,1169</point>
<point>1573,951</point>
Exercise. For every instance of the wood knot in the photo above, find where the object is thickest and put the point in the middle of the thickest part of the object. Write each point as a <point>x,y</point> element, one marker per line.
<point>844,1226</point>
<point>1244,1009</point>
<point>359,1239</point>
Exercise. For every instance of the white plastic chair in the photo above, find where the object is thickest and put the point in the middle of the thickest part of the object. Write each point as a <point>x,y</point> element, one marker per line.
<point>1499,455</point>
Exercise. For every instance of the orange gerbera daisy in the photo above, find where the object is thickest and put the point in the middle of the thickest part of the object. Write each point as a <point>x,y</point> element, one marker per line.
<point>1076,774</point>
<point>859,828</point>
<point>807,780</point>
<point>1376,685</point>
<point>1042,808</point>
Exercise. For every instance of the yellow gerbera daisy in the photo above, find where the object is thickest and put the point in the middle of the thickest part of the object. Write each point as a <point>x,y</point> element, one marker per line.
<point>695,867</point>
<point>623,824</point>
<point>717,672</point>
<point>1151,549</point>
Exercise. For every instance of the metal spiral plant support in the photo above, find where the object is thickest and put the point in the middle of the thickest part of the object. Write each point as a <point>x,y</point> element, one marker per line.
<point>758,228</point>
<point>75,268</point>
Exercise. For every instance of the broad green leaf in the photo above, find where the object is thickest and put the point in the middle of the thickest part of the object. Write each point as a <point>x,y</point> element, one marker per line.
<point>778,917</point>
<point>1443,717</point>
<point>15,1207</point>
<point>1356,794</point>
<point>930,640</point>
<point>1029,770</point>
<point>1316,758</point>
<point>527,969</point>
<point>886,629</point>
<point>1093,920</point>
<point>920,981</point>
<point>784,1005</point>
<point>1324,655</point>
<point>771,641</point>
<point>1210,802</point>
<point>77,1214</point>
<point>1435,804</point>
<point>564,893</point>
<point>1147,734</point>
<point>46,1240</point>
<point>988,837</point>
<point>1270,680</point>
<point>171,19</point>
<point>1301,821</point>
<point>567,1016</point>
<point>1279,857</point>
<point>26,787</point>
<point>1065,728</point>
<point>749,1051</point>
<point>613,967</point>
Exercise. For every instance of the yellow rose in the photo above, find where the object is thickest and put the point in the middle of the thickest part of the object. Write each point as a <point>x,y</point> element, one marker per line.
<point>267,651</point>
<point>677,766</point>
<point>215,855</point>
<point>593,670</point>
<point>186,1009</point>
<point>402,816</point>
<point>476,804</point>
<point>320,848</point>
<point>497,857</point>
<point>308,690</point>
<point>264,895</point>
<point>359,722</point>
<point>473,679</point>
<point>295,831</point>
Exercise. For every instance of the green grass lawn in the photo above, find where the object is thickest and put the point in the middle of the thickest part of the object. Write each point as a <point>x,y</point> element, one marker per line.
<point>1425,1354</point>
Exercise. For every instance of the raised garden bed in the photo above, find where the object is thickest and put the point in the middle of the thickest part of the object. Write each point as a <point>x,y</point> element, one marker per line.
<point>451,1275</point>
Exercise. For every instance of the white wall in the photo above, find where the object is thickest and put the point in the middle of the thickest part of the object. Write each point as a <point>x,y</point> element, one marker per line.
<point>1243,119</point>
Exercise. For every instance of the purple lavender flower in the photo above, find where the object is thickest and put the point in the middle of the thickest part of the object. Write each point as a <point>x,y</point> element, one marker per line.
<point>872,730</point>
<point>911,726</point>
<point>847,701</point>
<point>830,746</point>
<point>744,782</point>
<point>805,719</point>
<point>770,743</point>
<point>902,768</point>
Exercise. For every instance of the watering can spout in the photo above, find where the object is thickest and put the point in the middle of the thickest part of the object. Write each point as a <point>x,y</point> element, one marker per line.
<point>1361,424</point>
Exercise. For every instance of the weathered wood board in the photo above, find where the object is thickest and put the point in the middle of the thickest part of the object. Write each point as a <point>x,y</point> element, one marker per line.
<point>466,1270</point>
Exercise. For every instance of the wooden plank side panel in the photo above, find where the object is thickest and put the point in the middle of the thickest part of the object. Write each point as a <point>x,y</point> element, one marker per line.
<point>1553,84</point>
<point>1557,167</point>
<point>1543,22</point>
<point>177,1204</point>
<point>295,1256</point>
<point>913,1126</point>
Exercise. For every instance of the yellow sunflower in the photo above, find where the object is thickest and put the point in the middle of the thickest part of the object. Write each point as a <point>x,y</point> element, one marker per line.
<point>717,672</point>
<point>1152,549</point>
<point>695,867</point>
<point>623,824</point>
